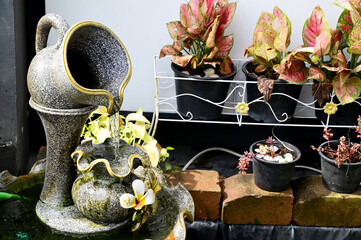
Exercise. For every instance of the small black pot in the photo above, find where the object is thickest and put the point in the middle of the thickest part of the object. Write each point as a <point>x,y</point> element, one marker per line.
<point>272,176</point>
<point>260,111</point>
<point>214,91</point>
<point>346,114</point>
<point>343,179</point>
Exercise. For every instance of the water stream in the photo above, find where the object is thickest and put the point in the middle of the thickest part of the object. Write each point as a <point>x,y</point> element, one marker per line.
<point>115,132</point>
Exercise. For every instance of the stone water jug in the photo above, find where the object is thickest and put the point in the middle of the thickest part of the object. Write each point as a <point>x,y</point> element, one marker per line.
<point>88,65</point>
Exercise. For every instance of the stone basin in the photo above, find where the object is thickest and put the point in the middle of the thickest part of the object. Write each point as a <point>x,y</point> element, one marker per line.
<point>18,219</point>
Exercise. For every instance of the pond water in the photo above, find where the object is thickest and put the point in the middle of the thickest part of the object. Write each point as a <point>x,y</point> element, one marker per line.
<point>18,221</point>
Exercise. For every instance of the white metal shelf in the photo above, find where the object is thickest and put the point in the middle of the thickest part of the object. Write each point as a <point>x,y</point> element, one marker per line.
<point>165,99</point>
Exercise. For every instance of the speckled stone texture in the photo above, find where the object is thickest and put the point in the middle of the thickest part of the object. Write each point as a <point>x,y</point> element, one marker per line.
<point>204,187</point>
<point>96,193</point>
<point>317,206</point>
<point>89,65</point>
<point>70,220</point>
<point>245,203</point>
<point>62,128</point>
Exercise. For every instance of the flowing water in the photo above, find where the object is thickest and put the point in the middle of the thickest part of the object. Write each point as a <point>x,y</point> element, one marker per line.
<point>115,132</point>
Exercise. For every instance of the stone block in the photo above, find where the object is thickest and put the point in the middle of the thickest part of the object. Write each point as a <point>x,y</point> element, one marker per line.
<point>317,206</point>
<point>245,203</point>
<point>205,189</point>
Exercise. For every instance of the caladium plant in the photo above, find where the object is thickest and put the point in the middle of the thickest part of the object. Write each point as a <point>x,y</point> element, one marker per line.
<point>323,50</point>
<point>198,38</point>
<point>269,46</point>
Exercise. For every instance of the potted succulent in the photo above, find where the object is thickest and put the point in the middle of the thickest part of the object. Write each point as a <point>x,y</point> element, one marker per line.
<point>200,51</point>
<point>340,162</point>
<point>333,74</point>
<point>270,41</point>
<point>273,163</point>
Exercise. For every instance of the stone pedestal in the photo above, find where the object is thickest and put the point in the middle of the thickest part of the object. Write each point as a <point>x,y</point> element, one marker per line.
<point>205,189</point>
<point>245,203</point>
<point>317,206</point>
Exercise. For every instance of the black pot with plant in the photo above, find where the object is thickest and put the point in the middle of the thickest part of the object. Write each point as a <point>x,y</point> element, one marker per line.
<point>340,162</point>
<point>269,53</point>
<point>281,102</point>
<point>200,51</point>
<point>273,163</point>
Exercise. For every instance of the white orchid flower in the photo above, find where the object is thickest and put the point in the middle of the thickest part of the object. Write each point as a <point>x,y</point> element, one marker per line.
<point>139,199</point>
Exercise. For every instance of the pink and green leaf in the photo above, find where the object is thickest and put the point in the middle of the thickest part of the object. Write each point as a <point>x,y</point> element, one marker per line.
<point>339,60</point>
<point>297,73</point>
<point>211,39</point>
<point>355,35</point>
<point>322,44</point>
<point>346,4</point>
<point>249,52</point>
<point>224,45</point>
<point>176,30</point>
<point>188,20</point>
<point>357,69</point>
<point>226,14</point>
<point>342,76</point>
<point>168,50</point>
<point>345,23</point>
<point>349,91</point>
<point>182,61</point>
<point>267,35</point>
<point>281,41</point>
<point>317,74</point>
<point>314,26</point>
<point>263,21</point>
<point>355,48</point>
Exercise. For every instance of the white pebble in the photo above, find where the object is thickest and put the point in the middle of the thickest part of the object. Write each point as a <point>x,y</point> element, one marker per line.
<point>274,148</point>
<point>282,160</point>
<point>213,75</point>
<point>257,150</point>
<point>268,158</point>
<point>288,157</point>
<point>278,158</point>
<point>260,156</point>
<point>208,72</point>
<point>185,72</point>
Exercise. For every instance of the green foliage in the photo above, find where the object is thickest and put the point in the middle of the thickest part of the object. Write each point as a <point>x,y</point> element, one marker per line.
<point>133,129</point>
<point>5,196</point>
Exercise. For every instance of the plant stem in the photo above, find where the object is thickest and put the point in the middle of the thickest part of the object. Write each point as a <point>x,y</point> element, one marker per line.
<point>353,60</point>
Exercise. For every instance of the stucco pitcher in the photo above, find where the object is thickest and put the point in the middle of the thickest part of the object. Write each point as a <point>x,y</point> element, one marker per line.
<point>88,65</point>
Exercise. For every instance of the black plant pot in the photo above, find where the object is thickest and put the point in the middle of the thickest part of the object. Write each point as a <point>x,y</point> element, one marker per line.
<point>345,115</point>
<point>343,179</point>
<point>281,105</point>
<point>214,91</point>
<point>273,176</point>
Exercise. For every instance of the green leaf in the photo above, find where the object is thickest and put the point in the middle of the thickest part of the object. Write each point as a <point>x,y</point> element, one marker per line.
<point>136,117</point>
<point>6,196</point>
<point>265,51</point>
<point>103,134</point>
<point>137,129</point>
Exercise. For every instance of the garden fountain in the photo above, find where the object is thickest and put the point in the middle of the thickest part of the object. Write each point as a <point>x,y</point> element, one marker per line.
<point>89,67</point>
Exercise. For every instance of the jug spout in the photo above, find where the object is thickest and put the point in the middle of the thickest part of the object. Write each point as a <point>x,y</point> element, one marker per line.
<point>89,65</point>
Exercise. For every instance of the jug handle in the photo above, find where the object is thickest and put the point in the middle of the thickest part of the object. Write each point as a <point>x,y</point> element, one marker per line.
<point>44,25</point>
